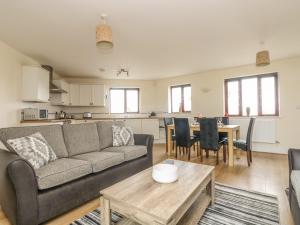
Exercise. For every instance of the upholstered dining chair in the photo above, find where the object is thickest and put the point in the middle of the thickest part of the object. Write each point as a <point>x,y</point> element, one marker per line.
<point>169,121</point>
<point>246,145</point>
<point>209,139</point>
<point>183,138</point>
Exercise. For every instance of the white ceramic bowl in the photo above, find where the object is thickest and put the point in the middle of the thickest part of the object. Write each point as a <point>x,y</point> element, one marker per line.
<point>165,173</point>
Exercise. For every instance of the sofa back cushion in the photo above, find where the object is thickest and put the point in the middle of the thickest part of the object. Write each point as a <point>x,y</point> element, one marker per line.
<point>52,133</point>
<point>81,138</point>
<point>106,133</point>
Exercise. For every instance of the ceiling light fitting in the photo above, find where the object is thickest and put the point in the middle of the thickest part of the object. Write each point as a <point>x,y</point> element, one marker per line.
<point>104,35</point>
<point>262,57</point>
<point>121,71</point>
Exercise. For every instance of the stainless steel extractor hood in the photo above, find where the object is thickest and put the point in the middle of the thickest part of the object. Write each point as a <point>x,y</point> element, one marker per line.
<point>53,87</point>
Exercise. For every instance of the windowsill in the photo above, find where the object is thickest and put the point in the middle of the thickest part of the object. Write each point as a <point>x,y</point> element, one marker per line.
<point>261,117</point>
<point>178,113</point>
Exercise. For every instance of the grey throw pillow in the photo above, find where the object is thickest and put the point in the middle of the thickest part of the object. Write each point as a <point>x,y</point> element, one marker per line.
<point>33,148</point>
<point>122,136</point>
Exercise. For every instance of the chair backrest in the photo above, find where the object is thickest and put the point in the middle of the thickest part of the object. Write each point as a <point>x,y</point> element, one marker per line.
<point>167,121</point>
<point>182,132</point>
<point>209,138</point>
<point>249,133</point>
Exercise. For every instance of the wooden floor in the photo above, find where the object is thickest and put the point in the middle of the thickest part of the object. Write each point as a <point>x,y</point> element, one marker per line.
<point>268,173</point>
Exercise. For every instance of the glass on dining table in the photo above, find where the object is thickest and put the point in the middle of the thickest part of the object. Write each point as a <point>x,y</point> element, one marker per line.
<point>220,122</point>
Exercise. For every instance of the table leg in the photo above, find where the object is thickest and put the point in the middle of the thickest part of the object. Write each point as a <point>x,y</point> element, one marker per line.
<point>169,141</point>
<point>105,211</point>
<point>230,148</point>
<point>238,153</point>
<point>212,188</point>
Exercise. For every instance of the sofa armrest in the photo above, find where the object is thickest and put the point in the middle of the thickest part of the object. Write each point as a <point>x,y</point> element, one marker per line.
<point>18,185</point>
<point>147,140</point>
<point>294,164</point>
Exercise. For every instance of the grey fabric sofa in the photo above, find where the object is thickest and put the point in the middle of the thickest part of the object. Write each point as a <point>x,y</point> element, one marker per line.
<point>86,163</point>
<point>294,184</point>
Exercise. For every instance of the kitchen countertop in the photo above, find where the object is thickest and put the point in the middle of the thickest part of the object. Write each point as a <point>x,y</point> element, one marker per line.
<point>65,120</point>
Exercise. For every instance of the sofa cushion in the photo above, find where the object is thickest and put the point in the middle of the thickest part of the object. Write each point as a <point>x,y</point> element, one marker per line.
<point>122,136</point>
<point>33,148</point>
<point>105,132</point>
<point>52,133</point>
<point>102,160</point>
<point>81,138</point>
<point>130,152</point>
<point>61,171</point>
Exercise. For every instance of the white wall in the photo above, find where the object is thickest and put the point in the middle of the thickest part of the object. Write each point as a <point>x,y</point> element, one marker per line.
<point>11,62</point>
<point>211,103</point>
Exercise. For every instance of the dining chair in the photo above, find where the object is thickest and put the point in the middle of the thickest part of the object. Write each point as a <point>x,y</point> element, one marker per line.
<point>246,145</point>
<point>223,136</point>
<point>209,139</point>
<point>169,121</point>
<point>182,136</point>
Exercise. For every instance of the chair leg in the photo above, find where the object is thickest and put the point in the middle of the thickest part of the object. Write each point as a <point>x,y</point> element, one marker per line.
<point>224,153</point>
<point>207,153</point>
<point>248,157</point>
<point>189,152</point>
<point>201,155</point>
<point>176,149</point>
<point>217,162</point>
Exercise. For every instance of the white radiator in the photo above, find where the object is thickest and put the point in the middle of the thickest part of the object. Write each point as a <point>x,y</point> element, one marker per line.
<point>265,129</point>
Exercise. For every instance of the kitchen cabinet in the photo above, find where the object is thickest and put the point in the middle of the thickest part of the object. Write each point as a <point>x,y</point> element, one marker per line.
<point>98,95</point>
<point>85,96</point>
<point>144,126</point>
<point>74,96</point>
<point>91,95</point>
<point>35,84</point>
<point>135,124</point>
<point>151,126</point>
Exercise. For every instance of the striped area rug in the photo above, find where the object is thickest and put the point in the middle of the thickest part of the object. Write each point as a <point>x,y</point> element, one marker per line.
<point>233,206</point>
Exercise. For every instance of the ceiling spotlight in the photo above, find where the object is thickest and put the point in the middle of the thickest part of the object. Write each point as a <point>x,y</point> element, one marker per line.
<point>101,69</point>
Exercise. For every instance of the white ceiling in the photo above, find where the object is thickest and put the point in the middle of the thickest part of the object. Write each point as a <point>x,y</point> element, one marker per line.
<point>152,38</point>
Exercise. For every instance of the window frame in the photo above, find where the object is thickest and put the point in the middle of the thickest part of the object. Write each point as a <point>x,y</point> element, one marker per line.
<point>125,100</point>
<point>182,86</point>
<point>259,93</point>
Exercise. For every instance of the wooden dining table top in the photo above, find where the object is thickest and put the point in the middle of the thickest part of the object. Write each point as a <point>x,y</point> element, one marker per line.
<point>220,128</point>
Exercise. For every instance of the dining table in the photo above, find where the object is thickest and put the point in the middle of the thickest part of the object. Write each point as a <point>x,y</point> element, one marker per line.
<point>233,131</point>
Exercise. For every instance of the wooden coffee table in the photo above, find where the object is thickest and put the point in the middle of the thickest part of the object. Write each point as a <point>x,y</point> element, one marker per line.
<point>142,200</point>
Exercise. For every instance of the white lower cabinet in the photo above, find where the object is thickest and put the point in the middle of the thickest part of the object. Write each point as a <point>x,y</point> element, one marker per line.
<point>151,126</point>
<point>144,126</point>
<point>135,124</point>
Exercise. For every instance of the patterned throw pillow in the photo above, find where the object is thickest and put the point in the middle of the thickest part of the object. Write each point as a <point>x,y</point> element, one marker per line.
<point>33,148</point>
<point>122,136</point>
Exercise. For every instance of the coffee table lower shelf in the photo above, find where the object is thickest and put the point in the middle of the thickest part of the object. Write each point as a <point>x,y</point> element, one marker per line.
<point>191,217</point>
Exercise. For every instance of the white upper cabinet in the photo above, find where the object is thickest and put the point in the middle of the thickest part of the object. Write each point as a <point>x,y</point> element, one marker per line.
<point>92,95</point>
<point>85,95</point>
<point>74,95</point>
<point>98,95</point>
<point>35,84</point>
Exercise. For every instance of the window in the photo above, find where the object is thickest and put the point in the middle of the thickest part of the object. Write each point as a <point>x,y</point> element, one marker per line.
<point>124,100</point>
<point>181,98</point>
<point>259,93</point>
